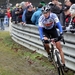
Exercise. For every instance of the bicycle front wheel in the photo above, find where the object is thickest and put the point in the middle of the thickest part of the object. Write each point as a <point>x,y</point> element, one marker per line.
<point>59,63</point>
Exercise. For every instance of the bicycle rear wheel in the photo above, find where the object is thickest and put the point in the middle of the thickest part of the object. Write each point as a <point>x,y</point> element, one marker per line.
<point>59,64</point>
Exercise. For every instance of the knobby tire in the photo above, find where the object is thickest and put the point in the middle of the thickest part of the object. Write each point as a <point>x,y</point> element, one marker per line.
<point>59,65</point>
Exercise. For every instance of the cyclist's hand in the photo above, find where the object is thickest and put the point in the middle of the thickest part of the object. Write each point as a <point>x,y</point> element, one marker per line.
<point>45,40</point>
<point>62,38</point>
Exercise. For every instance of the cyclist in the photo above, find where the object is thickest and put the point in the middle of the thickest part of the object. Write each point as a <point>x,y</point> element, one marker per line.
<point>47,27</point>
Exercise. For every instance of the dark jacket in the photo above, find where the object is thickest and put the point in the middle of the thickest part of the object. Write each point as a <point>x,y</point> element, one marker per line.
<point>55,9</point>
<point>13,15</point>
<point>2,14</point>
<point>28,16</point>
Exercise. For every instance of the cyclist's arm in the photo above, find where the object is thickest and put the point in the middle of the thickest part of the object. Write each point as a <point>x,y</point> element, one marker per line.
<point>41,32</point>
<point>40,28</point>
<point>58,24</point>
<point>59,27</point>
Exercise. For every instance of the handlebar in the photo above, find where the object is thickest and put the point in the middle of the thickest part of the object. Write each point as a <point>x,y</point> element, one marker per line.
<point>55,40</point>
<point>60,39</point>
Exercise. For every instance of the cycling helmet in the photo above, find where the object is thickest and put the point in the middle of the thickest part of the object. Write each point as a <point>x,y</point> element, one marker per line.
<point>46,8</point>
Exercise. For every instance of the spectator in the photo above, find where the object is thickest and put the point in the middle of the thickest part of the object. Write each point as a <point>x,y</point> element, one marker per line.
<point>23,5</point>
<point>61,14</point>
<point>8,14</point>
<point>6,21</point>
<point>42,3</point>
<point>13,19</point>
<point>55,7</point>
<point>2,15</point>
<point>20,12</point>
<point>25,9</point>
<point>67,16</point>
<point>29,14</point>
<point>67,3</point>
<point>72,11</point>
<point>15,13</point>
<point>36,15</point>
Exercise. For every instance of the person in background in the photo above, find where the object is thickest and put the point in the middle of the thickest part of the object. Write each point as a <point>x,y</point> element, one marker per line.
<point>61,15</point>
<point>66,14</point>
<point>14,13</point>
<point>67,3</point>
<point>67,17</point>
<point>2,15</point>
<point>20,12</point>
<point>72,11</point>
<point>43,3</point>
<point>23,5</point>
<point>55,7</point>
<point>36,15</point>
<point>8,13</point>
<point>24,11</point>
<point>29,14</point>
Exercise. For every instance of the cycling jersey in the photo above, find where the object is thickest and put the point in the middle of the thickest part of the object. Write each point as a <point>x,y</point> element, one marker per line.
<point>48,23</point>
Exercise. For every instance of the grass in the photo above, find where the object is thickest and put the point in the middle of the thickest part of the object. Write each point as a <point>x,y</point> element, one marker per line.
<point>18,60</point>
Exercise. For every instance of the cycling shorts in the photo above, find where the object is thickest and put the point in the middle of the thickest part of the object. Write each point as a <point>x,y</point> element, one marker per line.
<point>50,33</point>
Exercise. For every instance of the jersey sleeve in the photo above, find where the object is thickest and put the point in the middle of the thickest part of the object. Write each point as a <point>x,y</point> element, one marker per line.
<point>55,17</point>
<point>58,24</point>
<point>40,21</point>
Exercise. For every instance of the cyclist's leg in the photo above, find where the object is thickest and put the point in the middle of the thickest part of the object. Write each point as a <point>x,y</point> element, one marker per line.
<point>46,43</point>
<point>47,48</point>
<point>58,45</point>
<point>54,34</point>
<point>59,66</point>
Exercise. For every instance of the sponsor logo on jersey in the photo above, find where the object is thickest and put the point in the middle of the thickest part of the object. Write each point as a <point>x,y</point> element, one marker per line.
<point>49,22</point>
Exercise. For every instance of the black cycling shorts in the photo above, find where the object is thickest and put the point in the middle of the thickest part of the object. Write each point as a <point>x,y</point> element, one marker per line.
<point>50,33</point>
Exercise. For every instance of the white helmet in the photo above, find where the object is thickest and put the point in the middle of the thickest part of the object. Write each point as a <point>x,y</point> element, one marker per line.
<point>72,9</point>
<point>46,8</point>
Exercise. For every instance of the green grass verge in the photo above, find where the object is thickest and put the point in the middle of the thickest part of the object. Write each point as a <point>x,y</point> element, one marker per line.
<point>14,56</point>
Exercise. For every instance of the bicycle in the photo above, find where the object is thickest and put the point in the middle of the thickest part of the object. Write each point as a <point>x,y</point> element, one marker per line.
<point>55,55</point>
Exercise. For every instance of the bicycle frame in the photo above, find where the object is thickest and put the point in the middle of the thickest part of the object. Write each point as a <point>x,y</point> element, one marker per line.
<point>53,49</point>
<point>55,55</point>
